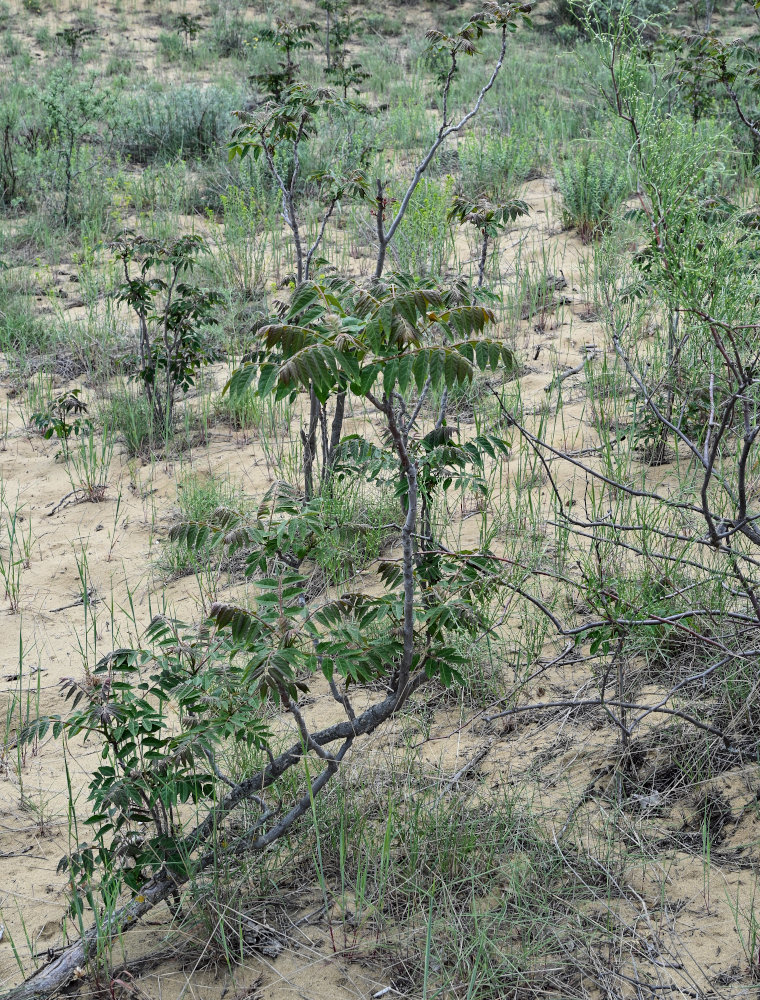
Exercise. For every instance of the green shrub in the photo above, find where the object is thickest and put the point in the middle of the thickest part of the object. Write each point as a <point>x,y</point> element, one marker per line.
<point>592,185</point>
<point>423,241</point>
<point>190,121</point>
<point>242,412</point>
<point>242,253</point>
<point>74,123</point>
<point>199,498</point>
<point>360,522</point>
<point>119,65</point>
<point>19,122</point>
<point>407,124</point>
<point>229,35</point>
<point>172,47</point>
<point>23,335</point>
<point>160,187</point>
<point>382,23</point>
<point>604,15</point>
<point>493,163</point>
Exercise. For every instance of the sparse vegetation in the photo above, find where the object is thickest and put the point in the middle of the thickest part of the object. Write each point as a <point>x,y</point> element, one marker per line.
<point>379,491</point>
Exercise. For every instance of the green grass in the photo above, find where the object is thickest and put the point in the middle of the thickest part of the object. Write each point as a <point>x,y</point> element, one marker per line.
<point>128,413</point>
<point>592,183</point>
<point>361,523</point>
<point>201,499</point>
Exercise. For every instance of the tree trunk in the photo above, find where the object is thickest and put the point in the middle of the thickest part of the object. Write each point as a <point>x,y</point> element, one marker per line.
<point>309,441</point>
<point>337,426</point>
<point>483,258</point>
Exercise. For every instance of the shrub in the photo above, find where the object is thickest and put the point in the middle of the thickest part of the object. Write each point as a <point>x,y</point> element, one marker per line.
<point>172,46</point>
<point>359,522</point>
<point>242,252</point>
<point>118,66</point>
<point>604,16</point>
<point>382,23</point>
<point>189,121</point>
<point>23,335</point>
<point>202,499</point>
<point>75,115</point>
<point>424,241</point>
<point>592,185</point>
<point>20,125</point>
<point>229,32</point>
<point>492,164</point>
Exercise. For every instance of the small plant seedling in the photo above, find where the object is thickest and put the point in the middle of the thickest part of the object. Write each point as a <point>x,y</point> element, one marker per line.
<point>66,417</point>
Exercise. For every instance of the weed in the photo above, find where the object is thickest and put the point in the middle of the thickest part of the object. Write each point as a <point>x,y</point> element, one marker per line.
<point>15,546</point>
<point>186,122</point>
<point>592,184</point>
<point>89,462</point>
<point>130,418</point>
<point>200,499</point>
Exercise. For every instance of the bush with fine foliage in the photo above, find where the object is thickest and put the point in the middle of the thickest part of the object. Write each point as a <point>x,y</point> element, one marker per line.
<point>189,121</point>
<point>592,184</point>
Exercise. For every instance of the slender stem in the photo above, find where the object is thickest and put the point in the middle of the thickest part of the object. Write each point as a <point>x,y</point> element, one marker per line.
<point>443,133</point>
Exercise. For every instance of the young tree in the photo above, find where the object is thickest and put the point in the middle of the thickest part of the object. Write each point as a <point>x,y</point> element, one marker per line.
<point>294,120</point>
<point>391,345</point>
<point>289,37</point>
<point>278,132</point>
<point>284,128</point>
<point>73,38</point>
<point>66,415</point>
<point>75,113</point>
<point>171,314</point>
<point>491,220</point>
<point>331,8</point>
<point>188,25</point>
<point>498,16</point>
<point>342,70</point>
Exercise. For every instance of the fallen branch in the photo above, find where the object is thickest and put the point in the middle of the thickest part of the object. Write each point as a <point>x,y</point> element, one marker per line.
<point>606,704</point>
<point>559,379</point>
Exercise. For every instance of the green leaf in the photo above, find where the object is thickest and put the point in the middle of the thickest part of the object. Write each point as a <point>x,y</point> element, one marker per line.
<point>436,361</point>
<point>420,368</point>
<point>304,296</point>
<point>390,369</point>
<point>240,380</point>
